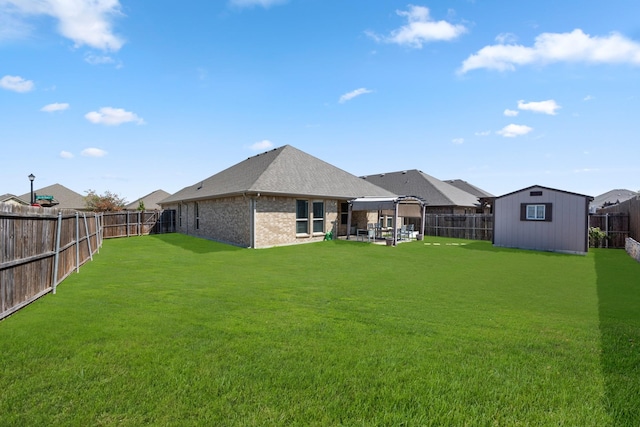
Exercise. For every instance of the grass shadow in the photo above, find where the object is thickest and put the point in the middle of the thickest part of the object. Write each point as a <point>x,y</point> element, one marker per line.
<point>487,246</point>
<point>195,244</point>
<point>618,282</point>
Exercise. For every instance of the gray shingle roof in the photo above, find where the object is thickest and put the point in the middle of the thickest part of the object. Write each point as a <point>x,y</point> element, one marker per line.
<point>67,199</point>
<point>469,188</point>
<point>150,200</point>
<point>284,171</point>
<point>417,183</point>
<point>612,197</point>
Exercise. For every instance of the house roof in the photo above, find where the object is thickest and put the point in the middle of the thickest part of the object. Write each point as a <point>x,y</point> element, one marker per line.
<point>612,197</point>
<point>545,188</point>
<point>13,199</point>
<point>281,171</point>
<point>417,183</point>
<point>469,188</point>
<point>66,198</point>
<point>150,200</point>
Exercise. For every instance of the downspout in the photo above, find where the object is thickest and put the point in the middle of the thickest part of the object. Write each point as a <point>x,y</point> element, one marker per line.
<point>252,219</point>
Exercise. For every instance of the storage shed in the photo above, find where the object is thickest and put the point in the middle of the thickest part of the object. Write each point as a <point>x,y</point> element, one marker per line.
<point>542,218</point>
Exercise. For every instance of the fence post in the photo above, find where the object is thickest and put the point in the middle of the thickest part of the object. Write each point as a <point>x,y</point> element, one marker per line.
<point>54,282</point>
<point>77,242</point>
<point>86,228</point>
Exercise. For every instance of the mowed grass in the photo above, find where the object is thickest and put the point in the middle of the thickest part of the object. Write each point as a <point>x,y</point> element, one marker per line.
<point>172,330</point>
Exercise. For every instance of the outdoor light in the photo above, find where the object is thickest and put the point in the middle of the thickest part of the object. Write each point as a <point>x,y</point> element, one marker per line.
<point>31,178</point>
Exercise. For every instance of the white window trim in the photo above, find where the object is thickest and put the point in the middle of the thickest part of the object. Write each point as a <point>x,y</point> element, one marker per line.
<point>535,212</point>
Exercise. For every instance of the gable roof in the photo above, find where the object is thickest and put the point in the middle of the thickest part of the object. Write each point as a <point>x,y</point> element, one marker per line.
<point>612,197</point>
<point>281,171</point>
<point>12,199</point>
<point>545,188</point>
<point>150,200</point>
<point>469,188</point>
<point>417,183</point>
<point>66,198</point>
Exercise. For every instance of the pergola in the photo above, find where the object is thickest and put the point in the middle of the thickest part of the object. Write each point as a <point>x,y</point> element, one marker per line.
<point>399,206</point>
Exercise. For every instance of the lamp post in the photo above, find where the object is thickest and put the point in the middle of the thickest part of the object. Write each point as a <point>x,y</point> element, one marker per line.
<point>31,178</point>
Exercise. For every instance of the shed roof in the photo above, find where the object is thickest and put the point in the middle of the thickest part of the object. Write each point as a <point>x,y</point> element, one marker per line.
<point>545,188</point>
<point>281,171</point>
<point>417,183</point>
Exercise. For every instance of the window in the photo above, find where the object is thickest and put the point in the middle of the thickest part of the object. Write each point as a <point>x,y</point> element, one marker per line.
<point>197,215</point>
<point>535,212</point>
<point>306,219</point>
<point>302,217</point>
<point>318,217</point>
<point>180,215</point>
<point>344,213</point>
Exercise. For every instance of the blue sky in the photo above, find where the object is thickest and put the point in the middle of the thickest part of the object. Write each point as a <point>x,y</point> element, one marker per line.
<point>135,96</point>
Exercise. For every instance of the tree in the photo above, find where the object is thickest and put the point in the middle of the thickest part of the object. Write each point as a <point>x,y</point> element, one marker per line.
<point>141,205</point>
<point>105,202</point>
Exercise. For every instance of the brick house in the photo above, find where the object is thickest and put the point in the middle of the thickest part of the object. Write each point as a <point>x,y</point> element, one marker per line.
<point>281,197</point>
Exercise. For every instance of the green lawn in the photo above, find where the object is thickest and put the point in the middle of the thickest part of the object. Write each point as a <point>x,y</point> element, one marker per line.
<point>171,330</point>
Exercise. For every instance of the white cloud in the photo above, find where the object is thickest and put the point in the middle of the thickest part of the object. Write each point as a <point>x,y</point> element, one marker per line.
<point>506,38</point>
<point>112,116</point>
<point>575,46</point>
<point>483,133</point>
<point>93,59</point>
<point>93,152</point>
<point>546,107</point>
<point>56,106</point>
<point>458,141</point>
<point>511,131</point>
<point>85,22</point>
<point>251,3</point>
<point>66,155</point>
<point>16,84</point>
<point>510,113</point>
<point>588,98</point>
<point>265,144</point>
<point>354,93</point>
<point>420,28</point>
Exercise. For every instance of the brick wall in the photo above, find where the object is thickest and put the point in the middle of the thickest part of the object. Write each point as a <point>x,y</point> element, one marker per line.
<point>229,219</point>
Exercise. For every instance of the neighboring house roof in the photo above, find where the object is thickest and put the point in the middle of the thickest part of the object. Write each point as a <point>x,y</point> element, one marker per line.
<point>281,171</point>
<point>150,200</point>
<point>66,198</point>
<point>417,183</point>
<point>544,188</point>
<point>469,188</point>
<point>612,197</point>
<point>12,199</point>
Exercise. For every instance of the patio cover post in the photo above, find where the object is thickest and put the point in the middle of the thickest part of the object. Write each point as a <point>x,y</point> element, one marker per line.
<point>395,223</point>
<point>349,220</point>
<point>422,220</point>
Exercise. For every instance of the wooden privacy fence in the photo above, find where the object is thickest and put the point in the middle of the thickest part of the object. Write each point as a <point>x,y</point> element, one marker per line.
<point>614,225</point>
<point>40,247</point>
<point>469,226</point>
<point>631,208</point>
<point>137,223</point>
